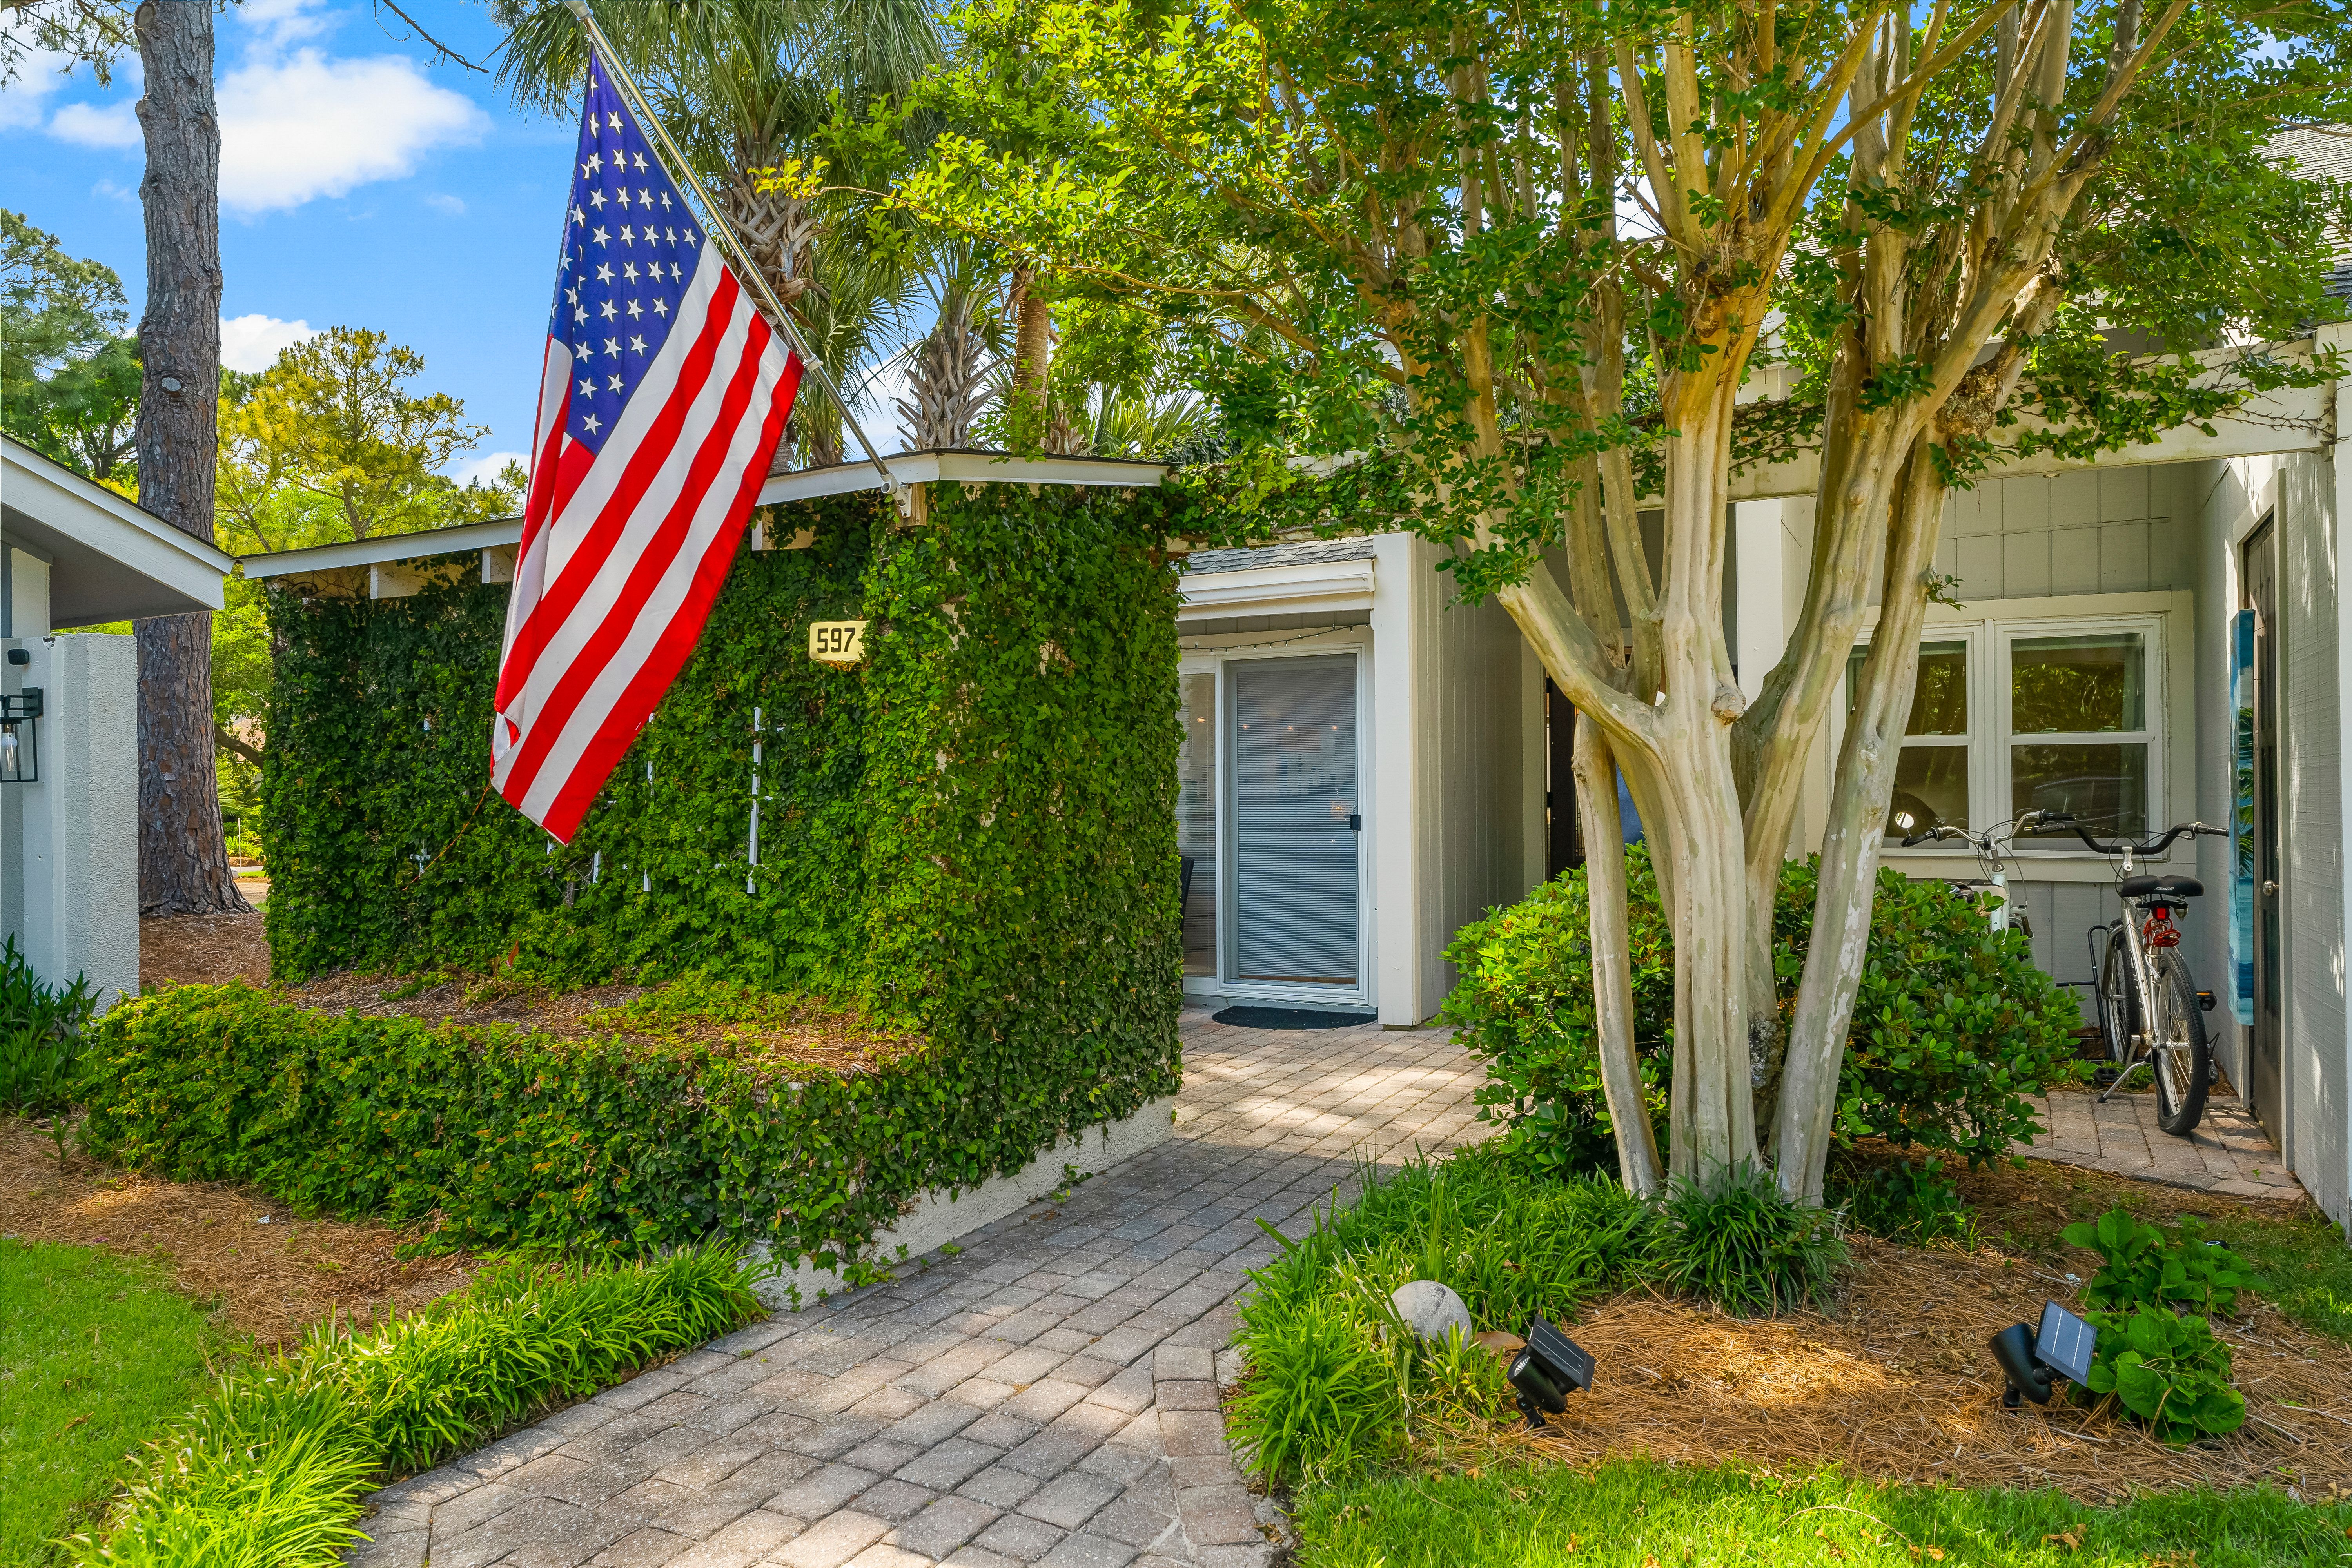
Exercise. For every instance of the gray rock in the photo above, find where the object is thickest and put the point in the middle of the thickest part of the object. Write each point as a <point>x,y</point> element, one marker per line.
<point>1429,1310</point>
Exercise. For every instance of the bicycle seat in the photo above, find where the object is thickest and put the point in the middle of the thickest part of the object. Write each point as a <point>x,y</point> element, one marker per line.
<point>2160,887</point>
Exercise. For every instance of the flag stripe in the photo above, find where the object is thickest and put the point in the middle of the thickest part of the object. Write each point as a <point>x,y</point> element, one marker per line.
<point>663,395</point>
<point>638,592</point>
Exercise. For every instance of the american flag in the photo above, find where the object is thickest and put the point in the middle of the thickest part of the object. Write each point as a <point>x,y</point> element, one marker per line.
<point>661,399</point>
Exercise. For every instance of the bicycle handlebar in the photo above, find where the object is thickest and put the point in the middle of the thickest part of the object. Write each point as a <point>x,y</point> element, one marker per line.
<point>2157,845</point>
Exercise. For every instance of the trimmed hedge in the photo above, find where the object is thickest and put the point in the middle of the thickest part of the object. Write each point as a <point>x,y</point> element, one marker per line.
<point>971,836</point>
<point>498,1137</point>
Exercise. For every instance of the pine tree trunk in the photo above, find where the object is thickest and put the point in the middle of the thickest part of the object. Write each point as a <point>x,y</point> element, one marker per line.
<point>183,859</point>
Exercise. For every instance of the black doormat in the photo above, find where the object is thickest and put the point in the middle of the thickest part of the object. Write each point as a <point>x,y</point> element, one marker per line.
<point>1289,1019</point>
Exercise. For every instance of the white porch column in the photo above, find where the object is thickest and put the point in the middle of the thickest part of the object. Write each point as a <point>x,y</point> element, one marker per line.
<point>2337,485</point>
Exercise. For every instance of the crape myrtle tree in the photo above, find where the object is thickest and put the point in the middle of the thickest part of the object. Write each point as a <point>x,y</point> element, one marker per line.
<point>1511,264</point>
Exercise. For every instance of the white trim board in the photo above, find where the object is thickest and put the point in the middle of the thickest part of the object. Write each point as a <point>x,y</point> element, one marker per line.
<point>1278,590</point>
<point>941,1214</point>
<point>109,559</point>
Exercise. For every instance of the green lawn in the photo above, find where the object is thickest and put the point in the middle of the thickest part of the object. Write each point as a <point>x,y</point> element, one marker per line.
<point>1635,1515</point>
<point>97,1356</point>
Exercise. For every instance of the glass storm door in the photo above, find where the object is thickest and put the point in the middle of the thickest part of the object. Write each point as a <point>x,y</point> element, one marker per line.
<point>1295,820</point>
<point>2267,1089</point>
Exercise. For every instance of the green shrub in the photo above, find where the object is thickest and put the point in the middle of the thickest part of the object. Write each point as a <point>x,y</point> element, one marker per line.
<point>1953,1025</point>
<point>40,1036</point>
<point>2147,1266</point>
<point>2168,1371</point>
<point>1912,1201</point>
<point>1735,1241</point>
<point>272,1466</point>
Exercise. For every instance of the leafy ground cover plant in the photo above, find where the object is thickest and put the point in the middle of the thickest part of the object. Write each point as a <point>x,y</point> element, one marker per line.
<point>101,1354</point>
<point>40,1036</point>
<point>276,1460</point>
<point>1630,1514</point>
<point>2167,1370</point>
<point>2147,1266</point>
<point>1953,1025</point>
<point>1736,1240</point>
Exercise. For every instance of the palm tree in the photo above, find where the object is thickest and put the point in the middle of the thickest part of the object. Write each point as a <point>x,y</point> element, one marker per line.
<point>761,96</point>
<point>952,370</point>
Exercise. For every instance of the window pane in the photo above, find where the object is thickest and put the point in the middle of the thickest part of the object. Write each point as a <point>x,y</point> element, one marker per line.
<point>1931,786</point>
<point>2105,786</point>
<point>1940,702</point>
<point>1196,822</point>
<point>2074,685</point>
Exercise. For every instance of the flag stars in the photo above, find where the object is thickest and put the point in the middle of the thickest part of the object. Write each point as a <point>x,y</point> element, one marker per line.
<point>588,386</point>
<point>617,383</point>
<point>594,166</point>
<point>637,345</point>
<point>606,311</point>
<point>578,216</point>
<point>641,163</point>
<point>604,273</point>
<point>597,200</point>
<point>613,346</point>
<point>591,424</point>
<point>661,306</point>
<point>635,310</point>
<point>601,238</point>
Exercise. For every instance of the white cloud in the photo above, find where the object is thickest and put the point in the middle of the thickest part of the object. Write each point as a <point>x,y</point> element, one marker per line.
<point>41,73</point>
<point>308,126</point>
<point>252,343</point>
<point>98,125</point>
<point>282,21</point>
<point>487,466</point>
<point>442,202</point>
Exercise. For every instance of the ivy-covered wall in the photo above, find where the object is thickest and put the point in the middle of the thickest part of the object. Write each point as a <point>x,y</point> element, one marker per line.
<point>972,832</point>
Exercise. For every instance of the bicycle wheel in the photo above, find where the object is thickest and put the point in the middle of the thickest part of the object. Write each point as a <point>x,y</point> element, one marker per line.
<point>2119,1010</point>
<point>2184,1061</point>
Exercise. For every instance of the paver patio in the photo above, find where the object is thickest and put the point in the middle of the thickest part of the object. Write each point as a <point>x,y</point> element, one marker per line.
<point>1047,1395</point>
<point>2229,1152</point>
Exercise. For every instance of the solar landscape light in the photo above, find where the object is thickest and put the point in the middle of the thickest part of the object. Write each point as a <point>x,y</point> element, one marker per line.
<point>1545,1372</point>
<point>2032,1360</point>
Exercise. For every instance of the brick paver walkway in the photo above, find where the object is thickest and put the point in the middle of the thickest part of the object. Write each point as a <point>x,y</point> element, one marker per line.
<point>2229,1152</point>
<point>1048,1395</point>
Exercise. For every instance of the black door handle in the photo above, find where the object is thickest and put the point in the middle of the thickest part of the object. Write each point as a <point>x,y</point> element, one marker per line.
<point>1356,823</point>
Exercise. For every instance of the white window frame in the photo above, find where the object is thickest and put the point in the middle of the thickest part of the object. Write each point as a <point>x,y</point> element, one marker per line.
<point>1990,737</point>
<point>2152,671</point>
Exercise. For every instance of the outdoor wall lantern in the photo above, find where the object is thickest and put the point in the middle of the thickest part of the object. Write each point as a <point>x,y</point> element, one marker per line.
<point>2032,1361</point>
<point>1550,1368</point>
<point>20,745</point>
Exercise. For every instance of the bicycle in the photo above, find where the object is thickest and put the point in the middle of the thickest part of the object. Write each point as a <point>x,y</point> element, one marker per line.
<point>2003,913</point>
<point>2150,1009</point>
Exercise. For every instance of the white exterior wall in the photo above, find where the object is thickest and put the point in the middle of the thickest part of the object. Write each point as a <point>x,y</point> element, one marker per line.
<point>70,889</point>
<point>1450,764</point>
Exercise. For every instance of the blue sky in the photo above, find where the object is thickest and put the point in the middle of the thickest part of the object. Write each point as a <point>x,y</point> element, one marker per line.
<point>361,186</point>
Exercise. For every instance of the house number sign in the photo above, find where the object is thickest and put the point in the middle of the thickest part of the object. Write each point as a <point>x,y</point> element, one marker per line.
<point>837,642</point>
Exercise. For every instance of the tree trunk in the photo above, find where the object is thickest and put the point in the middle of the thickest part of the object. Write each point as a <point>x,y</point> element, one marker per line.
<point>183,859</point>
<point>1857,827</point>
<point>1612,977</point>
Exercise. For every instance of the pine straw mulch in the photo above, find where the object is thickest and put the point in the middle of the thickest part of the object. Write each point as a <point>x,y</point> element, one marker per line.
<point>800,1032</point>
<point>207,949</point>
<point>1896,1385</point>
<point>271,1280</point>
<point>202,949</point>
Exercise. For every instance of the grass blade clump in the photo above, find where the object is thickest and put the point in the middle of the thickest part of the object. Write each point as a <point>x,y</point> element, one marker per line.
<point>1322,1393</point>
<point>1735,1240</point>
<point>1330,1379</point>
<point>271,1469</point>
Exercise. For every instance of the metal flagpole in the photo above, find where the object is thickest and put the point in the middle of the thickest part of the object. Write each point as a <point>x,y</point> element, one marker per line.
<point>715,225</point>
